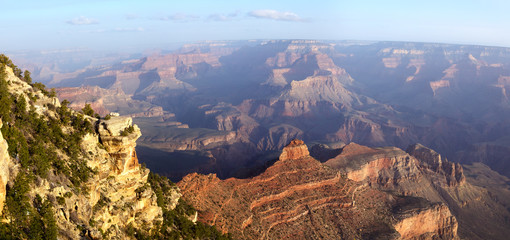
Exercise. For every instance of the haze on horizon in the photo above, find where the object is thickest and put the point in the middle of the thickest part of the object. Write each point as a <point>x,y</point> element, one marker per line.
<point>129,25</point>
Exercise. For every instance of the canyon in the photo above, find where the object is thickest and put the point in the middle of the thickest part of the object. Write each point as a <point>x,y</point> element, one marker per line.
<point>258,95</point>
<point>361,193</point>
<point>298,197</point>
<point>235,155</point>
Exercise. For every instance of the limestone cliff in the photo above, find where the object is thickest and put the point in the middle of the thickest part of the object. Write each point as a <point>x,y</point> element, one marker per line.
<point>6,167</point>
<point>78,174</point>
<point>121,180</point>
<point>116,196</point>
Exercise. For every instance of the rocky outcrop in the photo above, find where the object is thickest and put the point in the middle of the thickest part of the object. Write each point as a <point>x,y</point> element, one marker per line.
<point>119,136</point>
<point>119,195</point>
<point>422,173</point>
<point>299,198</point>
<point>452,171</point>
<point>116,196</point>
<point>295,150</point>
<point>319,88</point>
<point>101,191</point>
<point>384,166</point>
<point>6,167</point>
<point>421,220</point>
<point>20,88</point>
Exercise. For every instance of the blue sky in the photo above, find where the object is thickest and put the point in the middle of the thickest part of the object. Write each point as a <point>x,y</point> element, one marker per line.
<point>137,25</point>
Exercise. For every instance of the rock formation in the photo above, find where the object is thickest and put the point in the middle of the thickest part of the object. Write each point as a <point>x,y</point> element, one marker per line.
<point>452,171</point>
<point>298,197</point>
<point>6,166</point>
<point>295,150</point>
<point>122,177</point>
<point>115,194</point>
<point>425,221</point>
<point>422,172</point>
<point>451,98</point>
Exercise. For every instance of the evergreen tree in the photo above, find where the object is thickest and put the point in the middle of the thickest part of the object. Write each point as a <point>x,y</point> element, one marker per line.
<point>87,110</point>
<point>27,77</point>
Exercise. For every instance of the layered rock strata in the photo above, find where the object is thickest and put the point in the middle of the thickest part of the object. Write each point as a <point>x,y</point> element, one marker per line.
<point>422,172</point>
<point>300,198</point>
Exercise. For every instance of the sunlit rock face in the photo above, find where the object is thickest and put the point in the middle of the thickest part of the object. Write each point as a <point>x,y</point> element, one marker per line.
<point>120,177</point>
<point>423,173</point>
<point>300,198</point>
<point>5,167</point>
<point>115,194</point>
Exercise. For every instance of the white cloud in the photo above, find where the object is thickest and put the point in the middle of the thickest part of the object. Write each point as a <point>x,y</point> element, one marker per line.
<point>223,17</point>
<point>218,17</point>
<point>138,29</point>
<point>179,17</point>
<point>275,15</point>
<point>82,21</point>
<point>119,29</point>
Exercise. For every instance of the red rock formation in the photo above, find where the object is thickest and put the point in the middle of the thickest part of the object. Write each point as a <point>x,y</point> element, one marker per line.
<point>294,151</point>
<point>422,172</point>
<point>299,198</point>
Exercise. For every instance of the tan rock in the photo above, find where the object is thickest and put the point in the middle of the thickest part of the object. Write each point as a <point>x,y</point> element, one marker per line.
<point>433,222</point>
<point>5,161</point>
<point>295,150</point>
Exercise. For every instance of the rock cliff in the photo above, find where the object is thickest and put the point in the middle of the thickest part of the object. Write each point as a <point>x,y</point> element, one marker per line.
<point>298,197</point>
<point>121,179</point>
<point>6,167</point>
<point>78,174</point>
<point>422,172</point>
<point>419,220</point>
<point>452,171</point>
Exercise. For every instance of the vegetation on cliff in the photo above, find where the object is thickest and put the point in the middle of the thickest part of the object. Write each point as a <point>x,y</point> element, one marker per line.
<point>45,144</point>
<point>35,142</point>
<point>176,222</point>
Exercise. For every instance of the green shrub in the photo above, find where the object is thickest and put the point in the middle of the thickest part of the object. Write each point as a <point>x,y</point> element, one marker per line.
<point>127,131</point>
<point>176,223</point>
<point>61,200</point>
<point>26,77</point>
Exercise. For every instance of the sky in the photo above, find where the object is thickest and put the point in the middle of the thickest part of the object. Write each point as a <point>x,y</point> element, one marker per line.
<point>126,25</point>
